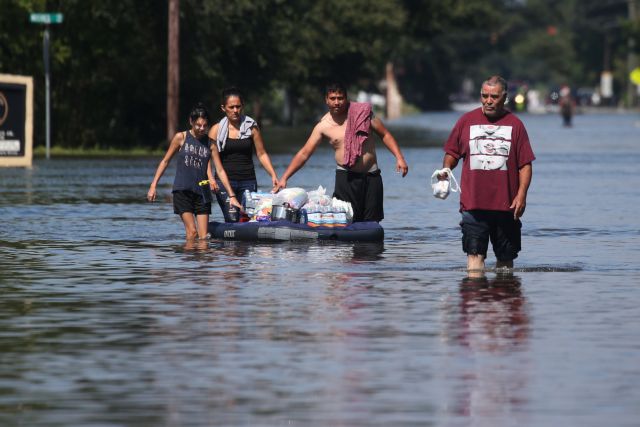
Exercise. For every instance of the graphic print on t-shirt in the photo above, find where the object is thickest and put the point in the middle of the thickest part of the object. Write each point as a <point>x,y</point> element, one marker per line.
<point>489,147</point>
<point>195,156</point>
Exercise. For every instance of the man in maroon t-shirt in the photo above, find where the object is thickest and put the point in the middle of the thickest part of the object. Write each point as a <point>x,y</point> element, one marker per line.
<point>496,174</point>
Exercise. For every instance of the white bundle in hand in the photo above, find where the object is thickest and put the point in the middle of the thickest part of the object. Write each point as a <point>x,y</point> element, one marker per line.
<point>442,187</point>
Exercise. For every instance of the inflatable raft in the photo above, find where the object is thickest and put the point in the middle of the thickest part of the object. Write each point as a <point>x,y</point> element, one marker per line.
<point>285,230</point>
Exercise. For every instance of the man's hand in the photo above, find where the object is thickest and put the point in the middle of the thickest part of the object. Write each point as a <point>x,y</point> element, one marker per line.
<point>151,194</point>
<point>282,183</point>
<point>518,205</point>
<point>402,167</point>
<point>442,176</point>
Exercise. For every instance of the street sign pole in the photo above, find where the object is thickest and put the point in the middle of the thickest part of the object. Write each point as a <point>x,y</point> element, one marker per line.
<point>47,19</point>
<point>47,88</point>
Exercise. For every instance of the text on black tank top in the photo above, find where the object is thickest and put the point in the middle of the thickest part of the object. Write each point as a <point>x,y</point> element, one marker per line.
<point>193,159</point>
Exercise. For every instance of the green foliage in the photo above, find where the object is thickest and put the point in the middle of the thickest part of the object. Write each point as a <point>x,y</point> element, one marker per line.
<point>110,85</point>
<point>266,46</point>
<point>441,41</point>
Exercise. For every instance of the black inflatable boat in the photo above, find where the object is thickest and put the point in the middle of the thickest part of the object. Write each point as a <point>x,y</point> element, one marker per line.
<point>285,230</point>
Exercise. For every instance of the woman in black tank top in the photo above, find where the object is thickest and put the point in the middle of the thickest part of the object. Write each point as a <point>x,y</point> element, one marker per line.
<point>237,137</point>
<point>191,189</point>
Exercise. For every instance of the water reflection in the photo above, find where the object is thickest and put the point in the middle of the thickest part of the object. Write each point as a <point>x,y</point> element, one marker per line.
<point>196,245</point>
<point>493,313</point>
<point>320,252</point>
<point>492,333</point>
<point>367,251</point>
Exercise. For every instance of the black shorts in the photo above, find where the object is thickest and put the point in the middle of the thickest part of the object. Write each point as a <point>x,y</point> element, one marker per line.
<point>364,191</point>
<point>188,201</point>
<point>478,227</point>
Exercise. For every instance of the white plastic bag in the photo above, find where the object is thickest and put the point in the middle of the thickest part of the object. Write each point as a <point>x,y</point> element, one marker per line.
<point>441,188</point>
<point>319,197</point>
<point>263,205</point>
<point>294,197</point>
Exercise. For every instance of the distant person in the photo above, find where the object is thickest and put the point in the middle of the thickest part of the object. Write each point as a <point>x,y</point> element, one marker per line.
<point>191,187</point>
<point>567,106</point>
<point>348,127</point>
<point>236,137</point>
<point>496,174</point>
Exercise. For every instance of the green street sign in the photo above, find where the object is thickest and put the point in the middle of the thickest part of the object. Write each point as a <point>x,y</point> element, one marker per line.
<point>46,18</point>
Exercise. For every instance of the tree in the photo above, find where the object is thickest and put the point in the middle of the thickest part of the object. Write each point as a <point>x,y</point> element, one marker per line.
<point>298,46</point>
<point>442,43</point>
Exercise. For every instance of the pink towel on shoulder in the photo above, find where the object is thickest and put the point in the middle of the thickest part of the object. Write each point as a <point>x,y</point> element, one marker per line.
<point>356,132</point>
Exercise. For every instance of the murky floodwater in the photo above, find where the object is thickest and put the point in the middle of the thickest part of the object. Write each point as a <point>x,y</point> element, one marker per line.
<point>108,319</point>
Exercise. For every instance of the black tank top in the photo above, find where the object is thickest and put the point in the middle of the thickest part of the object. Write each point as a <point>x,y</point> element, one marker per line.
<point>237,159</point>
<point>193,159</point>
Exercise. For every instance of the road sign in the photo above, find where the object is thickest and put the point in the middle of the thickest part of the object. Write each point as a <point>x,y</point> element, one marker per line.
<point>45,18</point>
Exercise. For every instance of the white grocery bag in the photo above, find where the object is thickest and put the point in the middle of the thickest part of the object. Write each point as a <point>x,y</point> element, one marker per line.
<point>442,188</point>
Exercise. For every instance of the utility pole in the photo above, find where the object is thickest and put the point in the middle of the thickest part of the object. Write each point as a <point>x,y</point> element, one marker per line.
<point>173,68</point>
<point>394,99</point>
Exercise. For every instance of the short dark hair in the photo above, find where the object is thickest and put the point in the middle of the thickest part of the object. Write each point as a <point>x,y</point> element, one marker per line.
<point>229,92</point>
<point>335,87</point>
<point>496,80</point>
<point>198,111</point>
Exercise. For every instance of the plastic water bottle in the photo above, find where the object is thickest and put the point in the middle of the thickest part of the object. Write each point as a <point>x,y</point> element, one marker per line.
<point>246,199</point>
<point>248,203</point>
<point>303,216</point>
<point>233,212</point>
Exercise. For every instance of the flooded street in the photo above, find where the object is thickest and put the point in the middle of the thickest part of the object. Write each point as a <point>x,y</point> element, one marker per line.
<point>107,318</point>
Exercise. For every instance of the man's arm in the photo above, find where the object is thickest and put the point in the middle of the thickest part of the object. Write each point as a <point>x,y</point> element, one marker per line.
<point>520,201</point>
<point>447,162</point>
<point>301,157</point>
<point>391,143</point>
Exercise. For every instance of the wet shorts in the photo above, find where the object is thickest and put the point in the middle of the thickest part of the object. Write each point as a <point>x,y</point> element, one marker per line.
<point>188,201</point>
<point>364,191</point>
<point>478,227</point>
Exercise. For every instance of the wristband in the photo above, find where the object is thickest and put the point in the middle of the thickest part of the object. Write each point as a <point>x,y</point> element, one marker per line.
<point>231,197</point>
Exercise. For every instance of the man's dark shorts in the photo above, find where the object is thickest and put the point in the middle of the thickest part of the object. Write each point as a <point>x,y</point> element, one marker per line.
<point>478,227</point>
<point>188,201</point>
<point>364,191</point>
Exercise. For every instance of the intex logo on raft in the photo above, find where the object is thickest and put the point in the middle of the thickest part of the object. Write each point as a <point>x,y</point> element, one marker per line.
<point>229,234</point>
<point>4,108</point>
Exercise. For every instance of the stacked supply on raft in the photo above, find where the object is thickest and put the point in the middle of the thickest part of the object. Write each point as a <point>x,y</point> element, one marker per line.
<point>294,214</point>
<point>313,208</point>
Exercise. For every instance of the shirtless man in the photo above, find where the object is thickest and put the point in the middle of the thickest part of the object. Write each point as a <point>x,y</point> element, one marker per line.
<point>360,184</point>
